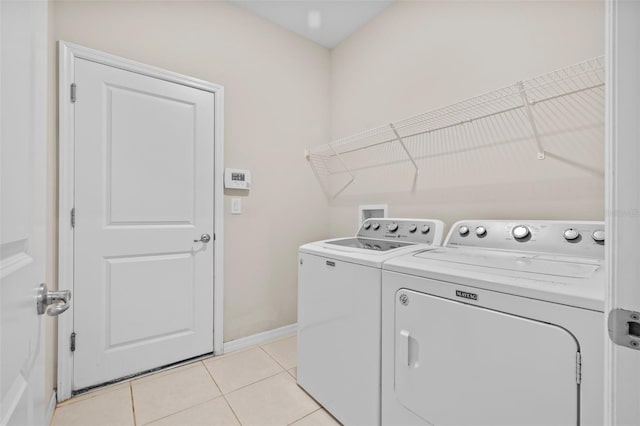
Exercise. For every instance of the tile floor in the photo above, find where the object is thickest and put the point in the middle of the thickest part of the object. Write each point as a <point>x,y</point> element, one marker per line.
<point>253,386</point>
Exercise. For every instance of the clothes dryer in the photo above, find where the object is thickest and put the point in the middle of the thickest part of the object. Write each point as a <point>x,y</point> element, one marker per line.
<point>503,325</point>
<point>339,313</point>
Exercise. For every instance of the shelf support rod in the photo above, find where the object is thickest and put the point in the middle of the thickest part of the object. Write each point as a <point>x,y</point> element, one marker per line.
<point>399,139</point>
<point>353,177</point>
<point>532,122</point>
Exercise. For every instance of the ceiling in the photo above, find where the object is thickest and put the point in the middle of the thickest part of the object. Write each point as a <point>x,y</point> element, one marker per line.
<point>325,22</point>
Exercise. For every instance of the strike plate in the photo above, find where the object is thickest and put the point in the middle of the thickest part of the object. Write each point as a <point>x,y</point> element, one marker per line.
<point>624,328</point>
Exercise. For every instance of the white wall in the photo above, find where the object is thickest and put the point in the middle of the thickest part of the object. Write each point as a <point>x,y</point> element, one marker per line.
<point>417,56</point>
<point>276,103</point>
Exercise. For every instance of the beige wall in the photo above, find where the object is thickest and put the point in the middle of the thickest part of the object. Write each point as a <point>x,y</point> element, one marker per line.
<point>417,56</point>
<point>276,103</point>
<point>284,93</point>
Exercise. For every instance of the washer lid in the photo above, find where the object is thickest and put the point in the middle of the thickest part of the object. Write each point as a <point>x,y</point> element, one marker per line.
<point>369,244</point>
<point>543,264</point>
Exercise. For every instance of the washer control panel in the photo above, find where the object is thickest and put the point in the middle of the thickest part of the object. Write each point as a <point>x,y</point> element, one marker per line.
<point>558,237</point>
<point>423,231</point>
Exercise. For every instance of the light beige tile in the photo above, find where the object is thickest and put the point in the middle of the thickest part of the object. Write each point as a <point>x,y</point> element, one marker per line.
<point>273,401</point>
<point>243,368</point>
<point>294,372</point>
<point>106,409</point>
<point>94,393</point>
<point>170,393</point>
<point>317,418</point>
<point>284,351</point>
<point>211,413</point>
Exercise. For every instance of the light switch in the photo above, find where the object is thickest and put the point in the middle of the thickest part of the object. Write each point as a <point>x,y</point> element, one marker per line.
<point>236,206</point>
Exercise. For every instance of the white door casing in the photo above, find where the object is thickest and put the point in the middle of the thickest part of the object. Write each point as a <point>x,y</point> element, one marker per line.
<point>23,399</point>
<point>622,364</point>
<point>140,143</point>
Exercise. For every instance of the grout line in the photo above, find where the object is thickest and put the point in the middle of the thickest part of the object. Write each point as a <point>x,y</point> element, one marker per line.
<point>253,383</point>
<point>272,357</point>
<point>232,410</point>
<point>182,410</point>
<point>306,415</point>
<point>193,364</point>
<point>223,396</point>
<point>291,374</point>
<point>133,406</point>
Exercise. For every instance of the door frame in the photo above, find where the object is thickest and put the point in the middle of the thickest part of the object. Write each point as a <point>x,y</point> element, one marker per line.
<point>621,207</point>
<point>67,54</point>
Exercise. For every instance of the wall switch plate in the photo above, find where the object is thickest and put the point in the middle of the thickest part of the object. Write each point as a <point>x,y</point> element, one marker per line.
<point>236,206</point>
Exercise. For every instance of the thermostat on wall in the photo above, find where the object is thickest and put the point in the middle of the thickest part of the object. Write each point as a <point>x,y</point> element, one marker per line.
<point>237,179</point>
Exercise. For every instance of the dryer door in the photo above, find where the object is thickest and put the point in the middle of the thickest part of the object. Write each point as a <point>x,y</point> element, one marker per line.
<point>460,364</point>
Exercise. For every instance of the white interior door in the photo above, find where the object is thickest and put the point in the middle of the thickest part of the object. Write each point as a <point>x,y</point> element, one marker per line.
<point>622,405</point>
<point>446,352</point>
<point>22,224</point>
<point>144,187</point>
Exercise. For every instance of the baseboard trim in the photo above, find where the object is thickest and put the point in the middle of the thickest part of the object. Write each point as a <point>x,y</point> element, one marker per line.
<point>51,408</point>
<point>259,338</point>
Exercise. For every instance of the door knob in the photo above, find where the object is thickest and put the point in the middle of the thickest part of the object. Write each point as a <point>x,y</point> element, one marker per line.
<point>204,238</point>
<point>59,299</point>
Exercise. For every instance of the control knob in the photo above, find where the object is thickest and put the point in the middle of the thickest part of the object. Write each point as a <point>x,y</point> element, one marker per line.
<point>520,232</point>
<point>571,234</point>
<point>367,225</point>
<point>376,226</point>
<point>598,236</point>
<point>425,229</point>
<point>412,228</point>
<point>481,231</point>
<point>463,230</point>
<point>392,227</point>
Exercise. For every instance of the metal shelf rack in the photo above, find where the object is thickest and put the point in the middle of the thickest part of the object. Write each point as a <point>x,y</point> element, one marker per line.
<point>559,102</point>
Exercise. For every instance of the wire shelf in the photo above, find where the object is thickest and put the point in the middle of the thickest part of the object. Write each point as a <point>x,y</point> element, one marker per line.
<point>539,110</point>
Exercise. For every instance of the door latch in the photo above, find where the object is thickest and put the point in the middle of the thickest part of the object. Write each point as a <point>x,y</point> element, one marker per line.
<point>624,328</point>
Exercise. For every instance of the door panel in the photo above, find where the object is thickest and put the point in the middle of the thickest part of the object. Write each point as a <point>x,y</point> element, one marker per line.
<point>143,193</point>
<point>447,353</point>
<point>22,210</point>
<point>139,124</point>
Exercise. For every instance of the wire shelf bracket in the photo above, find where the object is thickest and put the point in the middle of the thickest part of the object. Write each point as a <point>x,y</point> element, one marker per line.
<point>532,122</point>
<point>404,147</point>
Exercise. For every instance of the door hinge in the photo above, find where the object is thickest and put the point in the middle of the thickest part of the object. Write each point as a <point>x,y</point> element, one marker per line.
<point>73,342</point>
<point>73,217</point>
<point>73,92</point>
<point>578,367</point>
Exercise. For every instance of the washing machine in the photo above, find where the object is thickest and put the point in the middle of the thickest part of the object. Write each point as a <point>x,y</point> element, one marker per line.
<point>339,287</point>
<point>502,325</point>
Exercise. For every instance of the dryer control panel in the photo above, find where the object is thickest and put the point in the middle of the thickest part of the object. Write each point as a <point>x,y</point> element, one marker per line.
<point>582,239</point>
<point>423,231</point>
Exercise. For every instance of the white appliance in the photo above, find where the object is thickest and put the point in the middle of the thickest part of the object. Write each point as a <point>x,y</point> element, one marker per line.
<point>503,325</point>
<point>339,313</point>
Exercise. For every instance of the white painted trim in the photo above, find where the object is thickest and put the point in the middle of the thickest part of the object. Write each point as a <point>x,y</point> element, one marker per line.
<point>610,225</point>
<point>257,339</point>
<point>68,53</point>
<point>48,415</point>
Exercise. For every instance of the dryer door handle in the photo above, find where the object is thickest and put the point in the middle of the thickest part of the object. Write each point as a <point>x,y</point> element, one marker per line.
<point>409,350</point>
